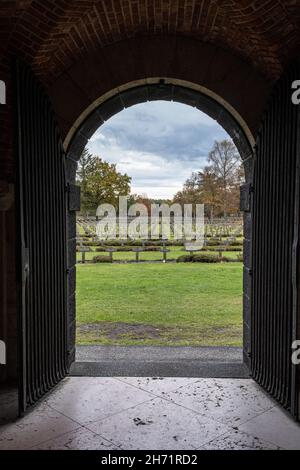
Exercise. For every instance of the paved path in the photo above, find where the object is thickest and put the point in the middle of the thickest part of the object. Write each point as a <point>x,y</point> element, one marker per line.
<point>158,353</point>
<point>176,361</point>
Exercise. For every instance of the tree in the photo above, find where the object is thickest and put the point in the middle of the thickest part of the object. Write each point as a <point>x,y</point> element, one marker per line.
<point>209,185</point>
<point>217,186</point>
<point>226,166</point>
<point>190,193</point>
<point>146,201</point>
<point>100,182</point>
<point>86,167</point>
<point>203,187</point>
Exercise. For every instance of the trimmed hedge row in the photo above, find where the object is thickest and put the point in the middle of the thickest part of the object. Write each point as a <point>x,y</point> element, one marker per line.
<point>201,258</point>
<point>101,259</point>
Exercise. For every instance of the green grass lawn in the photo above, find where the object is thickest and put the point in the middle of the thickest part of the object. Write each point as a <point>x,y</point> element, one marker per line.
<point>160,304</point>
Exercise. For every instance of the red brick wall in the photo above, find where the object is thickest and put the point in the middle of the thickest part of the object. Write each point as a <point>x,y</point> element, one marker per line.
<point>53,34</point>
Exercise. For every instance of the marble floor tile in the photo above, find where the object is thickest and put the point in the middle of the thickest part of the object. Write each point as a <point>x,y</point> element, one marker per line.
<point>148,413</point>
<point>159,425</point>
<point>275,426</point>
<point>80,439</point>
<point>158,385</point>
<point>9,404</point>
<point>96,398</point>
<point>40,424</point>
<point>238,440</point>
<point>230,401</point>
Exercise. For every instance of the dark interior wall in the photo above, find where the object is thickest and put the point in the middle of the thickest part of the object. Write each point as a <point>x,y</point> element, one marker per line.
<point>222,72</point>
<point>8,319</point>
<point>8,285</point>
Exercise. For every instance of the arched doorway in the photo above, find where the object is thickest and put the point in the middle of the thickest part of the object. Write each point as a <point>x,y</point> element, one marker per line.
<point>168,90</point>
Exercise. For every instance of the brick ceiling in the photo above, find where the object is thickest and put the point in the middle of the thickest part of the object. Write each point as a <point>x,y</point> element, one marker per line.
<point>53,34</point>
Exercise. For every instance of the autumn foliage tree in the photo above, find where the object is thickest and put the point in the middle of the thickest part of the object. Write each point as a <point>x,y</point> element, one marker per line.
<point>217,186</point>
<point>140,199</point>
<point>100,182</point>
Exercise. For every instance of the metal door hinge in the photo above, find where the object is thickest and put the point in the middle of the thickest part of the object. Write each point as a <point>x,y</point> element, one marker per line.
<point>245,197</point>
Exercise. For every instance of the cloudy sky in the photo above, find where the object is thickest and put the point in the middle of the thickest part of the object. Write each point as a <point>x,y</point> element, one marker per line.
<point>159,144</point>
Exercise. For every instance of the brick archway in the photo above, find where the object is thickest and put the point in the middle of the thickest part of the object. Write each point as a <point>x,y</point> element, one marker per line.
<point>158,89</point>
<point>131,94</point>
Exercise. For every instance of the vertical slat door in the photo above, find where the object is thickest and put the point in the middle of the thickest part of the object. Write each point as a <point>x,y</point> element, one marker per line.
<point>275,247</point>
<point>42,212</point>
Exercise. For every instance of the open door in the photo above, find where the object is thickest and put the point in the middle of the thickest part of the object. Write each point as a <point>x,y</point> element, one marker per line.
<point>275,247</point>
<point>43,358</point>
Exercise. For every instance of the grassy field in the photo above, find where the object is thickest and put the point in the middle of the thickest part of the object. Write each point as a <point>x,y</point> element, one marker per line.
<point>159,304</point>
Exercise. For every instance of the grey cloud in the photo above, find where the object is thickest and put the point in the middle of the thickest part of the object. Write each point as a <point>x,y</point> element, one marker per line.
<point>157,142</point>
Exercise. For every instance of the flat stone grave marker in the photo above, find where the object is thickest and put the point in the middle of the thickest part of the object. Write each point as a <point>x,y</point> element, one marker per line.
<point>83,250</point>
<point>192,247</point>
<point>137,252</point>
<point>164,250</point>
<point>111,250</point>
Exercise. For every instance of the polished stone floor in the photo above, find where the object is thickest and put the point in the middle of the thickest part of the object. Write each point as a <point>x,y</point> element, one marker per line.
<point>154,413</point>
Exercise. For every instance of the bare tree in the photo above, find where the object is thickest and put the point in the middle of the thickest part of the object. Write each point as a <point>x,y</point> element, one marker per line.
<point>226,164</point>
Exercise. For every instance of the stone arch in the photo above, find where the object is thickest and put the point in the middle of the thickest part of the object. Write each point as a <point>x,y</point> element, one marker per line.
<point>153,89</point>
<point>159,89</point>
